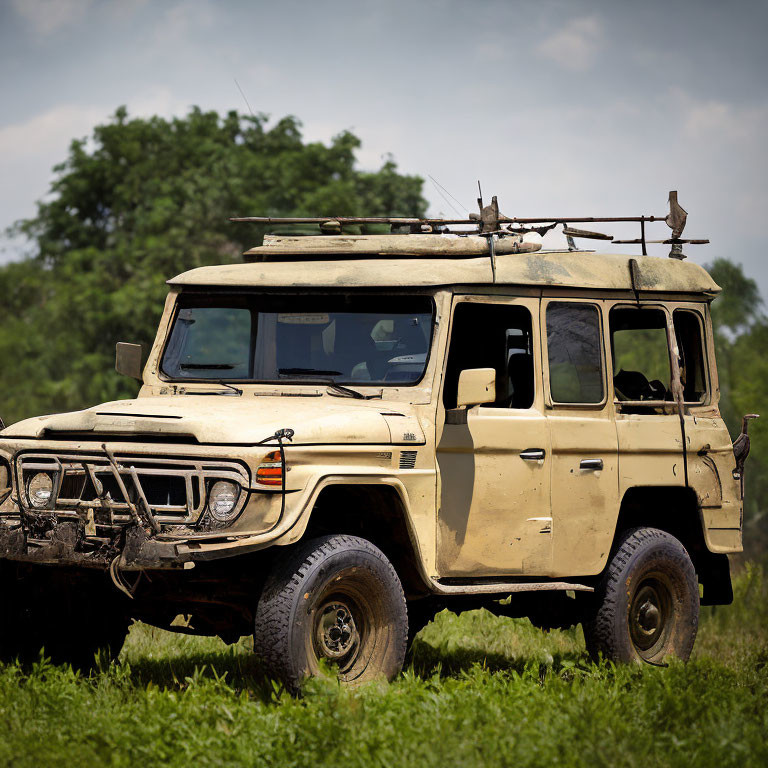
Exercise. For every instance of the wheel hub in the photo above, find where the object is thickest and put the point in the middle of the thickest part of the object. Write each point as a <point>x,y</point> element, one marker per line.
<point>649,615</point>
<point>336,632</point>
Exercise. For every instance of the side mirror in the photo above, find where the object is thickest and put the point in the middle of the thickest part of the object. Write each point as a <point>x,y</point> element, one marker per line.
<point>128,360</point>
<point>476,386</point>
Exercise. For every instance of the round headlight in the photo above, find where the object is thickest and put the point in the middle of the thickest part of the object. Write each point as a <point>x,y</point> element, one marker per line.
<point>40,490</point>
<point>222,500</point>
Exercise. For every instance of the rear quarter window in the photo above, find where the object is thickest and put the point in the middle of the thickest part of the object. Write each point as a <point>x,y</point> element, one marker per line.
<point>575,353</point>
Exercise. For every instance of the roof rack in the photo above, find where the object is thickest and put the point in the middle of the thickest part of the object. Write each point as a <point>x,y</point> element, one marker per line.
<point>490,222</point>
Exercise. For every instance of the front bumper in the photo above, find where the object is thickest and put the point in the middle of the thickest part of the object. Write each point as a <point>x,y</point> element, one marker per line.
<point>67,545</point>
<point>138,511</point>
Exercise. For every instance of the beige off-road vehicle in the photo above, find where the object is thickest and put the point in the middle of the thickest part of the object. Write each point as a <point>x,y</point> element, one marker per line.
<point>348,433</point>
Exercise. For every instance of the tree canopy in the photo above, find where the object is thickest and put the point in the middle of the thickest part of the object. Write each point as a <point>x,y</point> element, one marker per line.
<point>140,201</point>
<point>741,341</point>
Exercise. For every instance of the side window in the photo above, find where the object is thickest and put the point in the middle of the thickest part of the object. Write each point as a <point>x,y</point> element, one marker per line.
<point>690,345</point>
<point>574,351</point>
<point>640,352</point>
<point>493,336</point>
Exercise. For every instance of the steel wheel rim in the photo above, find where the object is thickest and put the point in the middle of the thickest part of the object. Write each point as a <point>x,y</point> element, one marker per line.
<point>343,628</point>
<point>336,635</point>
<point>650,615</point>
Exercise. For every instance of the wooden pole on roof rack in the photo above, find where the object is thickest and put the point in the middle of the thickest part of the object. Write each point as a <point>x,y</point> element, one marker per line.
<point>407,221</point>
<point>489,221</point>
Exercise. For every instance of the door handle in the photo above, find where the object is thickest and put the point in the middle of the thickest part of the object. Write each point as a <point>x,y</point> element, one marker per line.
<point>593,464</point>
<point>533,454</point>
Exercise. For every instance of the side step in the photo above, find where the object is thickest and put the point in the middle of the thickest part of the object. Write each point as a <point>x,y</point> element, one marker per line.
<point>506,588</point>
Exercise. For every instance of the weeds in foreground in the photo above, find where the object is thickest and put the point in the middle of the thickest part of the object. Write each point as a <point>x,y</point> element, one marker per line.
<point>478,691</point>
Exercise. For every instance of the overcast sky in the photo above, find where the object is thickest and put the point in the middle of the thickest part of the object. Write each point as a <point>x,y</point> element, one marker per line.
<point>559,107</point>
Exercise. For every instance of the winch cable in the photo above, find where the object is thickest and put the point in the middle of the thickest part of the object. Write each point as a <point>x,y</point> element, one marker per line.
<point>118,581</point>
<point>280,435</point>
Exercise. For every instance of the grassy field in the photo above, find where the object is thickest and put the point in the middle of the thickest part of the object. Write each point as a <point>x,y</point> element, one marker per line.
<point>479,691</point>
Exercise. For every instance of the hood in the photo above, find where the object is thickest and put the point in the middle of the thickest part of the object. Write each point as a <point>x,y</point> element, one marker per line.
<point>221,419</point>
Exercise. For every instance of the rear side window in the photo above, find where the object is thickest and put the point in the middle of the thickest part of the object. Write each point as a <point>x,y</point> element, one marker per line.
<point>574,351</point>
<point>691,348</point>
<point>640,352</point>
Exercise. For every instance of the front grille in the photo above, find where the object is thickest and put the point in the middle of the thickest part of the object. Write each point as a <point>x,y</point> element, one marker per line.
<point>72,486</point>
<point>165,491</point>
<point>174,489</point>
<point>408,459</point>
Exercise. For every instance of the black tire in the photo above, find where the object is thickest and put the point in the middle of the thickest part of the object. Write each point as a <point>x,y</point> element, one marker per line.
<point>647,603</point>
<point>335,598</point>
<point>67,624</point>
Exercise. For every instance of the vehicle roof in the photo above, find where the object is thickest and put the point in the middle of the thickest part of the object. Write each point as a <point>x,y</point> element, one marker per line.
<point>378,261</point>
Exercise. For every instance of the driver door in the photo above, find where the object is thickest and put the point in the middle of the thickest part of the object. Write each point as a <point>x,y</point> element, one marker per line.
<point>493,460</point>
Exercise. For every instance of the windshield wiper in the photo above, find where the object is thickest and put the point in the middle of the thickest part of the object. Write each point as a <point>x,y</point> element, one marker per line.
<point>207,366</point>
<point>341,391</point>
<point>347,392</point>
<point>307,372</point>
<point>221,383</point>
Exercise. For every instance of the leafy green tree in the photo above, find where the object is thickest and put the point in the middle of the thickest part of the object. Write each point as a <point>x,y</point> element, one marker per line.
<point>739,305</point>
<point>733,313</point>
<point>741,341</point>
<point>140,201</point>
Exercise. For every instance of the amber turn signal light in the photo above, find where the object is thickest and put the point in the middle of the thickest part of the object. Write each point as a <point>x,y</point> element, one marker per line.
<point>270,471</point>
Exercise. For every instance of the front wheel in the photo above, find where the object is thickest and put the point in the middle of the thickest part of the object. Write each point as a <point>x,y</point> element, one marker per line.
<point>647,601</point>
<point>335,600</point>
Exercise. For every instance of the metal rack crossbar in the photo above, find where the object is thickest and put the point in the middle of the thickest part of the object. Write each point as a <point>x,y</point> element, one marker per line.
<point>491,222</point>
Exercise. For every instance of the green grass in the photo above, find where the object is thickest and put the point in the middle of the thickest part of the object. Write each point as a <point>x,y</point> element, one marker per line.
<point>479,691</point>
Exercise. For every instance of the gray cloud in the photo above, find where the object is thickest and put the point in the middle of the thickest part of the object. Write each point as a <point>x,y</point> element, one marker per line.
<point>574,46</point>
<point>571,108</point>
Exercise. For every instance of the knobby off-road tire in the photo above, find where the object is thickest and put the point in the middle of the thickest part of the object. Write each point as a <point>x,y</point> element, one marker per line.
<point>68,625</point>
<point>335,599</point>
<point>647,601</point>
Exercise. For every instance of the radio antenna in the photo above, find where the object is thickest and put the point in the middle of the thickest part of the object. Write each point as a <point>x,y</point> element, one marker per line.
<point>244,98</point>
<point>439,187</point>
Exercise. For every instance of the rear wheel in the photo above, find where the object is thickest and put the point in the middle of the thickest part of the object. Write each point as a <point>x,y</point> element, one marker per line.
<point>335,600</point>
<point>647,602</point>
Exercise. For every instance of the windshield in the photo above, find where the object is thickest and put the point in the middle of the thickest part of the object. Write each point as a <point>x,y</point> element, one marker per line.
<point>360,339</point>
